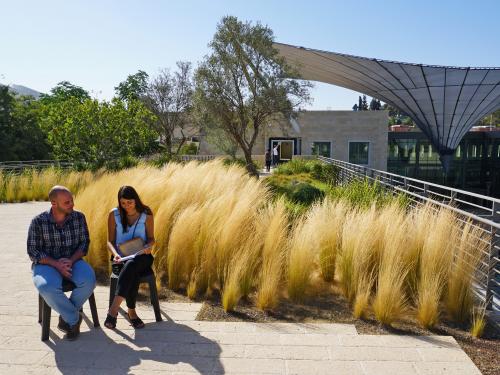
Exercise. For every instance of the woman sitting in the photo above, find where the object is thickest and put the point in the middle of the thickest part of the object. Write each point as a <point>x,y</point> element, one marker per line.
<point>130,220</point>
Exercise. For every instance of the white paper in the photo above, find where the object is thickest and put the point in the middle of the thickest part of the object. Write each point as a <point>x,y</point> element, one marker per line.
<point>132,256</point>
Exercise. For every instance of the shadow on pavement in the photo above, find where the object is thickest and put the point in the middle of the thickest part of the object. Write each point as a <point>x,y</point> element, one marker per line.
<point>153,348</point>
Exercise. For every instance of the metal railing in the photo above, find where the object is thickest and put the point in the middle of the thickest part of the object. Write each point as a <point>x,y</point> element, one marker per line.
<point>17,166</point>
<point>197,157</point>
<point>482,211</point>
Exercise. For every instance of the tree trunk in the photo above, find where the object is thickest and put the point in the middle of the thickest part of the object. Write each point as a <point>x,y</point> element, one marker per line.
<point>168,146</point>
<point>184,139</point>
<point>252,171</point>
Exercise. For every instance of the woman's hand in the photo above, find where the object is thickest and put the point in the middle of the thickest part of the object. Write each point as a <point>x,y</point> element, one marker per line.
<point>117,259</point>
<point>148,249</point>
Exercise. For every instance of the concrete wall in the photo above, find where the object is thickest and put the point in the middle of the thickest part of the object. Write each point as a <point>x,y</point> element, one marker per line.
<point>337,127</point>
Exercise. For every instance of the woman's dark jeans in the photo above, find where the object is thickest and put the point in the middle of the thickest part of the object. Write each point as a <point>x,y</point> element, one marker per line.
<point>128,279</point>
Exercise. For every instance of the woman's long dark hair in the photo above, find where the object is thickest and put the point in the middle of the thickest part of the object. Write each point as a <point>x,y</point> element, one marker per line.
<point>128,192</point>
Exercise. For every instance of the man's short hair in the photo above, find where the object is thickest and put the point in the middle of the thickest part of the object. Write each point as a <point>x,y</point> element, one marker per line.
<point>56,190</point>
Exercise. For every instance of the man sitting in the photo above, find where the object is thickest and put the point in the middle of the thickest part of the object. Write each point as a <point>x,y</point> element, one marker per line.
<point>57,241</point>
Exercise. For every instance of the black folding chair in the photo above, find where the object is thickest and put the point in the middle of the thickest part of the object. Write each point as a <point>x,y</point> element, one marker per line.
<point>147,277</point>
<point>44,310</point>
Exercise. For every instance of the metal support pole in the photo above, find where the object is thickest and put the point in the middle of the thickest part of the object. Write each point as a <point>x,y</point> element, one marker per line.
<point>492,264</point>
<point>453,197</point>
<point>493,256</point>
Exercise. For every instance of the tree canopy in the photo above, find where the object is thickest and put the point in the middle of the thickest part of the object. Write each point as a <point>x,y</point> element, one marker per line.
<point>65,90</point>
<point>134,87</point>
<point>98,133</point>
<point>244,82</point>
<point>20,135</point>
<point>169,97</point>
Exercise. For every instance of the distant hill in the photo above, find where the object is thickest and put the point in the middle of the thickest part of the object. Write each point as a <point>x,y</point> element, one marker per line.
<point>23,90</point>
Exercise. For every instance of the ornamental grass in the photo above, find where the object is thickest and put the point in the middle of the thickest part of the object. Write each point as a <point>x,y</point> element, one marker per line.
<point>435,264</point>
<point>217,229</point>
<point>34,185</point>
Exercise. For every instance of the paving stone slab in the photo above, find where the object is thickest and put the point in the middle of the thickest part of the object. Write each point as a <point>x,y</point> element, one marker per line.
<point>445,368</point>
<point>309,367</point>
<point>388,367</point>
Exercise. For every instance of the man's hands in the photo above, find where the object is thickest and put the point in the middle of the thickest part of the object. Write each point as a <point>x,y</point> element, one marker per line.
<point>63,265</point>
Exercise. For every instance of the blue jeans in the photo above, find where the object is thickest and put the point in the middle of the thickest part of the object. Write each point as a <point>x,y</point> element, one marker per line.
<point>48,281</point>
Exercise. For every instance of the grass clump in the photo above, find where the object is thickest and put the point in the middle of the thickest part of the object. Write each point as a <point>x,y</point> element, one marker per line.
<point>364,193</point>
<point>327,173</point>
<point>435,263</point>
<point>274,251</point>
<point>390,301</point>
<point>295,166</point>
<point>301,259</point>
<point>306,194</point>
<point>33,185</point>
<point>241,162</point>
<point>331,216</point>
<point>473,243</point>
<point>478,320</point>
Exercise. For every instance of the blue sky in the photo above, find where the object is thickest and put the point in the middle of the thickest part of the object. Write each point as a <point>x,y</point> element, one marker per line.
<point>96,44</point>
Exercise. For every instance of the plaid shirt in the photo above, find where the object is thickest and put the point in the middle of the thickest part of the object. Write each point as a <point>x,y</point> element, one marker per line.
<point>46,239</point>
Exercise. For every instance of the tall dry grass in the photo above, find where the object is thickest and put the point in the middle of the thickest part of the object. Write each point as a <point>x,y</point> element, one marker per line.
<point>315,242</point>
<point>182,259</point>
<point>2,187</point>
<point>34,184</point>
<point>478,321</point>
<point>418,223</point>
<point>435,264</point>
<point>274,225</point>
<point>390,302</point>
<point>346,257</point>
<point>301,262</point>
<point>242,273</point>
<point>216,230</point>
<point>329,223</point>
<point>473,245</point>
<point>358,257</point>
<point>205,215</point>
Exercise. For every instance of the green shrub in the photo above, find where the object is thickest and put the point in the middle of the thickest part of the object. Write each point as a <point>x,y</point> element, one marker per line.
<point>305,193</point>
<point>122,163</point>
<point>189,149</point>
<point>295,166</point>
<point>364,193</point>
<point>317,171</point>
<point>330,174</point>
<point>301,189</point>
<point>327,173</point>
<point>241,162</point>
<point>160,160</point>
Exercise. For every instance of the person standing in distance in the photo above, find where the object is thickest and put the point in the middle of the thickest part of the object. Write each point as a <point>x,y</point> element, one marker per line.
<point>58,239</point>
<point>275,155</point>
<point>268,159</point>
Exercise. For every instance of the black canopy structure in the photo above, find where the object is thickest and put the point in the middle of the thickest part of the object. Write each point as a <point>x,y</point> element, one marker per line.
<point>444,101</point>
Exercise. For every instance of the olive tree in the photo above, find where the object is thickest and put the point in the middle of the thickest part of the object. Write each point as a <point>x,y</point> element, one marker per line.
<point>243,83</point>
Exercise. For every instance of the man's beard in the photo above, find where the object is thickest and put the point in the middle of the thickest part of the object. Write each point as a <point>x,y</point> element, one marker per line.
<point>65,211</point>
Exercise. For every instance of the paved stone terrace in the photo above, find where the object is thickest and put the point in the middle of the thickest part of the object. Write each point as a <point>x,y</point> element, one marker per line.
<point>182,345</point>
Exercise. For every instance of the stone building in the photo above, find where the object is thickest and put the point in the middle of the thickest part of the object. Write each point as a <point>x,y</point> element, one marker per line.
<point>357,137</point>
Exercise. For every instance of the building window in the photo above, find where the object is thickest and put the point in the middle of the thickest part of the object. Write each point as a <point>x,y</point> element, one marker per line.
<point>402,150</point>
<point>358,152</point>
<point>322,149</point>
